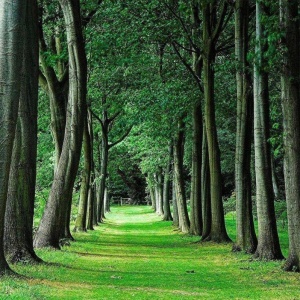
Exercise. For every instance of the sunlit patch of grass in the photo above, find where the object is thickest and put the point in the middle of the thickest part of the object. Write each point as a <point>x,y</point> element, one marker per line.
<point>135,255</point>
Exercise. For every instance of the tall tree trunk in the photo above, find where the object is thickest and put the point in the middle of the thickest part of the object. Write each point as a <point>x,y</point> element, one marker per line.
<point>103,176</point>
<point>48,233</point>
<point>167,185</point>
<point>218,231</point>
<point>205,188</point>
<point>245,238</point>
<point>21,190</point>
<point>80,223</point>
<point>274,177</point>
<point>268,247</point>
<point>91,206</point>
<point>174,200</point>
<point>106,201</point>
<point>196,209</point>
<point>13,17</point>
<point>152,196</point>
<point>184,222</point>
<point>291,106</point>
<point>160,192</point>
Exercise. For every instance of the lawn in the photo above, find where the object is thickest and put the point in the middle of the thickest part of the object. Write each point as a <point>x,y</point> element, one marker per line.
<point>135,255</point>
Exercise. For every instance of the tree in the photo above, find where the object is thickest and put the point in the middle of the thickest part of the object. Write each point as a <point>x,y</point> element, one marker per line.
<point>12,25</point>
<point>106,126</point>
<point>183,217</point>
<point>21,190</point>
<point>213,24</point>
<point>167,184</point>
<point>80,222</point>
<point>291,106</point>
<point>245,238</point>
<point>268,242</point>
<point>54,217</point>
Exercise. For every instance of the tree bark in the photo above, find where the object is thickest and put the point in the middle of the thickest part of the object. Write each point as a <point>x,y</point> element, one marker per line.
<point>48,233</point>
<point>218,230</point>
<point>159,192</point>
<point>245,238</point>
<point>184,222</point>
<point>106,201</point>
<point>205,188</point>
<point>103,176</point>
<point>12,34</point>
<point>81,220</point>
<point>274,177</point>
<point>167,185</point>
<point>196,209</point>
<point>290,82</point>
<point>21,190</point>
<point>268,247</point>
<point>152,196</point>
<point>174,200</point>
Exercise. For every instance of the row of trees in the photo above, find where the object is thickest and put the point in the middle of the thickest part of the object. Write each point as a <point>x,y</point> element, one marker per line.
<point>153,69</point>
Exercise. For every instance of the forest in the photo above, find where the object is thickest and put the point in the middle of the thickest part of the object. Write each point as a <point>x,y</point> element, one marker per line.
<point>186,111</point>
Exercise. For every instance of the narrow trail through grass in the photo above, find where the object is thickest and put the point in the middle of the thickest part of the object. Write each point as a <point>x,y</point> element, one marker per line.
<point>135,255</point>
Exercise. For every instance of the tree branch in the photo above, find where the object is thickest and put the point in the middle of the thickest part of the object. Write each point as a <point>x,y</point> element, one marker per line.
<point>120,139</point>
<point>43,81</point>
<point>178,17</point>
<point>218,29</point>
<point>189,68</point>
<point>114,117</point>
<point>98,119</point>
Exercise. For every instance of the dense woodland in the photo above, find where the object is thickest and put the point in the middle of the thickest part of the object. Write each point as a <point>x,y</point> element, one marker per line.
<point>189,106</point>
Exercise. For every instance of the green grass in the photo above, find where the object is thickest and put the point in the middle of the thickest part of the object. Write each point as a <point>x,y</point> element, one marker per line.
<point>134,255</point>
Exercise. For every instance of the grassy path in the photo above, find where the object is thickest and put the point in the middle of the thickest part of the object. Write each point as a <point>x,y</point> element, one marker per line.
<point>134,255</point>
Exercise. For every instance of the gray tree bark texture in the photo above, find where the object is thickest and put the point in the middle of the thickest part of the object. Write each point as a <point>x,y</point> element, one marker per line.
<point>49,231</point>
